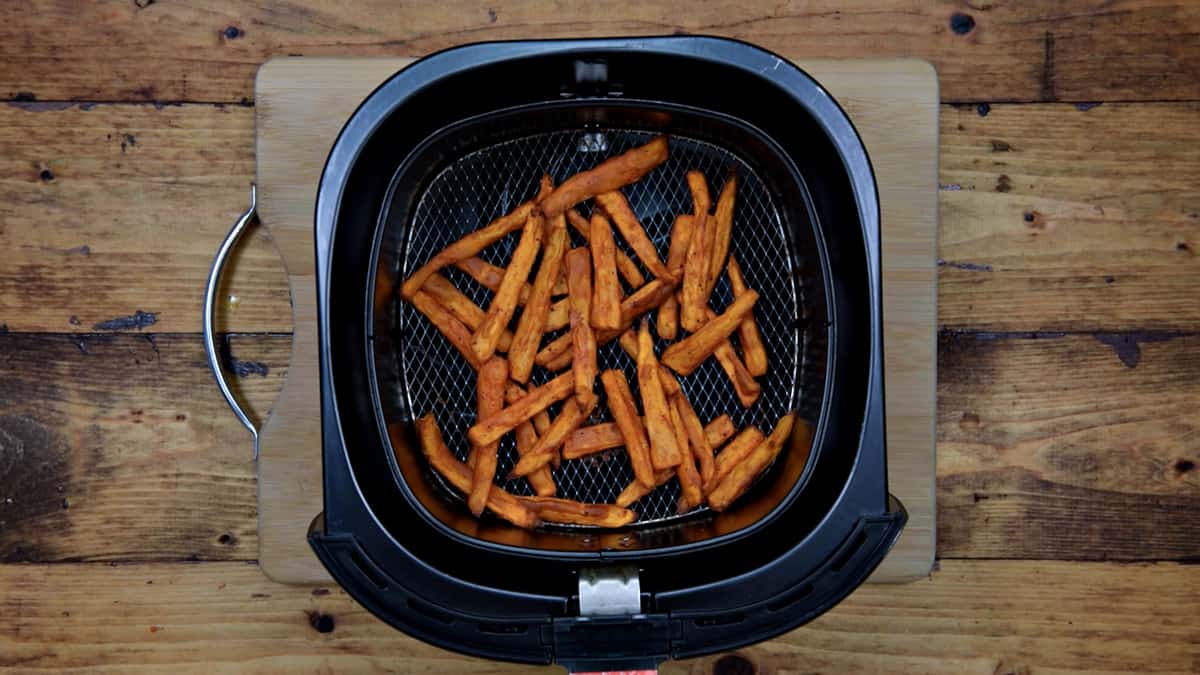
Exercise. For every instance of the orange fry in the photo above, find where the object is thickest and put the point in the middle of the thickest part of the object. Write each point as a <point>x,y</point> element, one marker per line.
<point>457,474</point>
<point>541,481</point>
<point>612,174</point>
<point>693,291</point>
<point>625,265</point>
<point>738,449</point>
<point>475,242</point>
<point>532,324</point>
<point>579,283</point>
<point>752,345</point>
<point>681,237</point>
<point>606,435</point>
<point>490,395</point>
<point>455,332</point>
<point>739,478</point>
<point>491,429</point>
<point>489,276</point>
<point>463,309</point>
<point>557,355</point>
<point>697,440</point>
<point>684,356</point>
<point>744,385</point>
<point>722,229</point>
<point>701,199</point>
<point>664,449</point>
<point>555,510</point>
<point>617,208</point>
<point>504,303</point>
<point>573,414</point>
<point>624,411</point>
<point>606,289</point>
<point>719,430</point>
<point>689,479</point>
<point>636,490</point>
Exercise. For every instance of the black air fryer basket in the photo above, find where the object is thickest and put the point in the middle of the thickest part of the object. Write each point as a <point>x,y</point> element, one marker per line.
<point>462,137</point>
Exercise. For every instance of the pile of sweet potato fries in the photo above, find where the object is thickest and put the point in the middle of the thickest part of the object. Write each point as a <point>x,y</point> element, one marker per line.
<point>667,439</point>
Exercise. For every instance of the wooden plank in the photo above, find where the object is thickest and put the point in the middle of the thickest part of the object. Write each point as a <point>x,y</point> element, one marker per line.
<point>981,617</point>
<point>119,447</point>
<point>1048,448</point>
<point>106,211</point>
<point>1118,205</point>
<point>1028,51</point>
<point>1057,218</point>
<point>302,102</point>
<point>1068,447</point>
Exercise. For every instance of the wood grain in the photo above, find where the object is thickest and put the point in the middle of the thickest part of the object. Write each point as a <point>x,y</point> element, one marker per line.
<point>106,211</point>
<point>119,447</point>
<point>1077,447</point>
<point>1057,218</point>
<point>1112,245</point>
<point>1041,50</point>
<point>981,617</point>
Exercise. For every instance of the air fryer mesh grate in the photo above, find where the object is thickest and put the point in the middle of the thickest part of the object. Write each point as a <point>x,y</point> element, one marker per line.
<point>487,183</point>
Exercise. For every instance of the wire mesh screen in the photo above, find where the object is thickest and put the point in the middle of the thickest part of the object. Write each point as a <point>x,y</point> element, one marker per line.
<point>485,184</point>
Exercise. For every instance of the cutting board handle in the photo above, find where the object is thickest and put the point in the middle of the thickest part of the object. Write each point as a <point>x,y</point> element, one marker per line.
<point>240,227</point>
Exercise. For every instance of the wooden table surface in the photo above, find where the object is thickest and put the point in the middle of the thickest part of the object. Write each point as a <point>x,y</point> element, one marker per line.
<point>1069,351</point>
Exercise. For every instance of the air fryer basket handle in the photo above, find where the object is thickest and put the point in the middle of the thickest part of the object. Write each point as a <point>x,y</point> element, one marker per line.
<point>210,300</point>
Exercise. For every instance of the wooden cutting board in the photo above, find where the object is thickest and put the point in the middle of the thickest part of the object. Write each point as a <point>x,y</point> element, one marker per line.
<point>301,105</point>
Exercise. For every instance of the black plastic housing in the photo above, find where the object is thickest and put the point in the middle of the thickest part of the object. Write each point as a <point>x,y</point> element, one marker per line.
<point>803,541</point>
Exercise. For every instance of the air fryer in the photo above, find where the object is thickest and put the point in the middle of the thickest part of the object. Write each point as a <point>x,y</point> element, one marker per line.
<point>461,137</point>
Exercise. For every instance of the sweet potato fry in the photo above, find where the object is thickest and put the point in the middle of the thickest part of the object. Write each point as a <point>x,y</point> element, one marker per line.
<point>697,440</point>
<point>555,510</point>
<point>463,309</point>
<point>612,174</point>
<point>624,412</point>
<point>504,303</point>
<point>606,289</point>
<point>636,490</point>
<point>476,241</point>
<point>722,229</point>
<point>693,291</point>
<point>541,480</point>
<point>592,439</point>
<point>627,268</point>
<point>617,208</point>
<point>573,414</point>
<point>532,324</point>
<point>744,385</point>
<point>489,276</point>
<point>681,237</point>
<point>664,450</point>
<point>753,349</point>
<point>739,478</point>
<point>491,429</point>
<point>689,478</point>
<point>579,284</point>
<point>457,474</point>
<point>684,356</point>
<point>455,332</point>
<point>606,435</point>
<point>738,449</point>
<point>701,198</point>
<point>719,430</point>
<point>557,355</point>
<point>490,397</point>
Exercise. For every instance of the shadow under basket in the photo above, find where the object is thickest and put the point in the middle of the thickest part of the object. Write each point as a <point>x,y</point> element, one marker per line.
<point>462,137</point>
